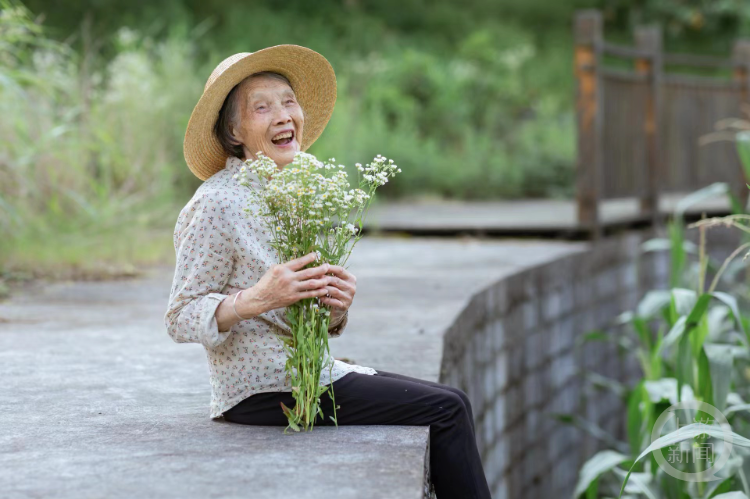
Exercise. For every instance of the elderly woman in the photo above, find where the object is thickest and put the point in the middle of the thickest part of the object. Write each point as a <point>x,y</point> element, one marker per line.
<point>230,290</point>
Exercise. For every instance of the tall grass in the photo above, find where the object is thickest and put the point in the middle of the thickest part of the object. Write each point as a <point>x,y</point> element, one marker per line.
<point>91,168</point>
<point>88,163</point>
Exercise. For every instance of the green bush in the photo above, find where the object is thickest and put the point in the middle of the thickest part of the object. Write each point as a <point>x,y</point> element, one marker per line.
<point>93,136</point>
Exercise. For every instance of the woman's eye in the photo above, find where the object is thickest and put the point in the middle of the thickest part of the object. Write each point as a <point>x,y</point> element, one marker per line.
<point>290,101</point>
<point>260,108</point>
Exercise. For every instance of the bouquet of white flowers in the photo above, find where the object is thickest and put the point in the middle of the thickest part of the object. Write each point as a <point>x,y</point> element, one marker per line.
<point>308,209</point>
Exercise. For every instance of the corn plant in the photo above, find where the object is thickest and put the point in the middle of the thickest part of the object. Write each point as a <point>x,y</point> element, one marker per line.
<point>700,353</point>
<point>692,344</point>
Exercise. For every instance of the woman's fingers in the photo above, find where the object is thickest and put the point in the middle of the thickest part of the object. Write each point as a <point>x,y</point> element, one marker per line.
<point>336,298</point>
<point>333,285</point>
<point>341,284</point>
<point>312,283</point>
<point>312,272</point>
<point>332,302</point>
<point>341,272</point>
<point>320,292</point>
<point>300,262</point>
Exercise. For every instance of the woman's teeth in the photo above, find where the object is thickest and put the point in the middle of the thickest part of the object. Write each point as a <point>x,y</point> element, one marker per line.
<point>282,138</point>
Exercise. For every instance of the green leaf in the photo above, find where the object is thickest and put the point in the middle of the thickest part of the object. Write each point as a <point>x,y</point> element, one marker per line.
<point>731,302</point>
<point>290,416</point>
<point>698,310</point>
<point>655,367</point>
<point>639,405</point>
<point>716,317</point>
<point>736,408</point>
<point>720,359</point>
<point>666,389</point>
<point>639,483</point>
<point>643,332</point>
<point>675,333</point>
<point>600,463</point>
<point>684,300</point>
<point>677,253</point>
<point>698,335</point>
<point>686,433</point>
<point>705,385</point>
<point>652,303</point>
<point>742,141</point>
<point>684,366</point>
<point>720,486</point>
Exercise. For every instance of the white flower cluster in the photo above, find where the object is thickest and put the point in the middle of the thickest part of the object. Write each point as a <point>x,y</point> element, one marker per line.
<point>303,200</point>
<point>378,171</point>
<point>300,204</point>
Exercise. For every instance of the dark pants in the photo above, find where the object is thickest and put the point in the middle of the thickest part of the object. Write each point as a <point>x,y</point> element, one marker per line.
<point>394,399</point>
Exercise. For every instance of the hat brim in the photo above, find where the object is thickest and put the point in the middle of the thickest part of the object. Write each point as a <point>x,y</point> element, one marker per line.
<point>313,82</point>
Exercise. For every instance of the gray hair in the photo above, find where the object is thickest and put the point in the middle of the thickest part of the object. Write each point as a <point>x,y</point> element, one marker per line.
<point>229,115</point>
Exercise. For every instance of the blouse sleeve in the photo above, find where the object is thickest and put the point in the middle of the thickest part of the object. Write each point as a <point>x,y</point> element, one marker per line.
<point>336,331</point>
<point>205,257</point>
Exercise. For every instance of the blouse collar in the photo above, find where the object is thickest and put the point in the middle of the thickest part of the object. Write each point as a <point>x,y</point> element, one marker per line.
<point>234,166</point>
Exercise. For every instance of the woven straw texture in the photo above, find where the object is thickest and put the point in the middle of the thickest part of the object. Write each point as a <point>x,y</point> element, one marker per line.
<point>313,82</point>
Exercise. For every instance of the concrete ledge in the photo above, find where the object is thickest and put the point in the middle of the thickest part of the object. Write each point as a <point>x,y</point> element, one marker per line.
<point>98,401</point>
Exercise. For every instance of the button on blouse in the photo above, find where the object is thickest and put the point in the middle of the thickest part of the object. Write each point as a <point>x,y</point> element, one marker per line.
<point>220,248</point>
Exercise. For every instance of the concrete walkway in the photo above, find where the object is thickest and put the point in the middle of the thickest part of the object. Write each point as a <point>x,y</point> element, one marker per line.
<point>98,401</point>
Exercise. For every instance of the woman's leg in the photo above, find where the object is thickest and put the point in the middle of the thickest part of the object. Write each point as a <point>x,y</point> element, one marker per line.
<point>457,391</point>
<point>365,399</point>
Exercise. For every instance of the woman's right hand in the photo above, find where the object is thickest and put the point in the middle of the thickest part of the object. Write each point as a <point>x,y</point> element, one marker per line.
<point>284,284</point>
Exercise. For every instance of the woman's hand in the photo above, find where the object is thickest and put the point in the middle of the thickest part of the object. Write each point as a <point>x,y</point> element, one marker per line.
<point>341,292</point>
<point>284,284</point>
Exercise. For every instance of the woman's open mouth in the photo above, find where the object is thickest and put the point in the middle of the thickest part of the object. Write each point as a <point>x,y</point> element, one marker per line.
<point>283,139</point>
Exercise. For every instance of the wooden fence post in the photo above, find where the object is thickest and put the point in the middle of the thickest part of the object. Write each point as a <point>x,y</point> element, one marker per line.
<point>649,41</point>
<point>741,62</point>
<point>589,110</point>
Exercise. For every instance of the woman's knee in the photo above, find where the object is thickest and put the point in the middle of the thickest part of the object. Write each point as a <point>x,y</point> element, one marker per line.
<point>454,402</point>
<point>461,395</point>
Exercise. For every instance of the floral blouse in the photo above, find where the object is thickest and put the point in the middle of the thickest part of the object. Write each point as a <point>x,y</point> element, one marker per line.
<point>221,249</point>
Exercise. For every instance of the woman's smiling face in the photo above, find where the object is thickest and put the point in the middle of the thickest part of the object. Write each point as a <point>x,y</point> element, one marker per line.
<point>270,120</point>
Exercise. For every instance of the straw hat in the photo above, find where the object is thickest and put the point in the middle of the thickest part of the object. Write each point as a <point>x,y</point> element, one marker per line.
<point>313,82</point>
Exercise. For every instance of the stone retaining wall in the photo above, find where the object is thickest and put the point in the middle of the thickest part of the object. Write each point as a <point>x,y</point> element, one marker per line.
<point>513,351</point>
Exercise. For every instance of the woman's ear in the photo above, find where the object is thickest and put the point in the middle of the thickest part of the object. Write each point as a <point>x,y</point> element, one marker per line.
<point>235,138</point>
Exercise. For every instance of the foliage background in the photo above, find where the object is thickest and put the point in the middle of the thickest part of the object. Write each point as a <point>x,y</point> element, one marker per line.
<point>473,99</point>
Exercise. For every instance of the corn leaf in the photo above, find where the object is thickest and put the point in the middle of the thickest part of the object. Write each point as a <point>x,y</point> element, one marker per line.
<point>685,433</point>
<point>599,464</point>
<point>720,359</point>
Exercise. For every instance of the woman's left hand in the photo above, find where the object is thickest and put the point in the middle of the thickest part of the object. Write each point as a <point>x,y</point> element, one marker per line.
<point>341,291</point>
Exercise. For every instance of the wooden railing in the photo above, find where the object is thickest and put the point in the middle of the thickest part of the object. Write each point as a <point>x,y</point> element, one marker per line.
<point>639,127</point>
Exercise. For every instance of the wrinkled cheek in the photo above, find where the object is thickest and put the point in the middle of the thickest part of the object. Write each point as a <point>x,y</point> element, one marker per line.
<point>261,146</point>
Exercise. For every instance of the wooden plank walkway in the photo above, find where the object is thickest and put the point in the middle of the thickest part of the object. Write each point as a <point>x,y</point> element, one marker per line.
<point>532,217</point>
